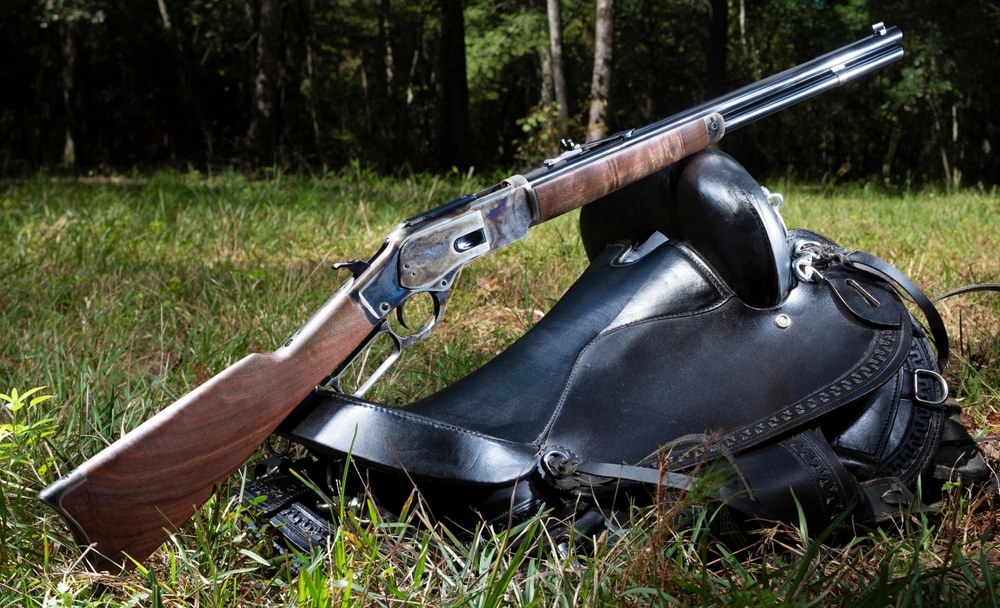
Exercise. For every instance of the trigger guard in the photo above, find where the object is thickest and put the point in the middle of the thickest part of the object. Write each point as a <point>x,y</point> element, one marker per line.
<point>439,298</point>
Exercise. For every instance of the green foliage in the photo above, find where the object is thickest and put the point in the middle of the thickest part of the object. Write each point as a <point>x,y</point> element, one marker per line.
<point>25,425</point>
<point>503,33</point>
<point>542,133</point>
<point>170,83</point>
<point>54,11</point>
<point>24,431</point>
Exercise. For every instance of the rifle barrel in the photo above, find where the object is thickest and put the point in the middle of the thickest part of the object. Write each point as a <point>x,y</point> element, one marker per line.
<point>777,92</point>
<point>756,100</point>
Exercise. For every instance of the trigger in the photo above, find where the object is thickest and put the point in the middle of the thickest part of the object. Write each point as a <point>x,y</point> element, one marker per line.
<point>355,266</point>
<point>401,317</point>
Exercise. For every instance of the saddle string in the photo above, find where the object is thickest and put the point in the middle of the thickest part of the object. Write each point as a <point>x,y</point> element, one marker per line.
<point>810,258</point>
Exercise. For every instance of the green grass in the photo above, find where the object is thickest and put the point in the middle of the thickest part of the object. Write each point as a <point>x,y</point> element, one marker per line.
<point>118,297</point>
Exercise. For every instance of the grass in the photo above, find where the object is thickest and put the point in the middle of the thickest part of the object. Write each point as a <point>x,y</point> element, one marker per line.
<point>117,297</point>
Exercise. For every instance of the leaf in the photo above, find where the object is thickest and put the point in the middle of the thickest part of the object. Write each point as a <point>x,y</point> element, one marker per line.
<point>487,283</point>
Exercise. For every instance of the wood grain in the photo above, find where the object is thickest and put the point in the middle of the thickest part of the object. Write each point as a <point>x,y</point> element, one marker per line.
<point>600,177</point>
<point>125,499</point>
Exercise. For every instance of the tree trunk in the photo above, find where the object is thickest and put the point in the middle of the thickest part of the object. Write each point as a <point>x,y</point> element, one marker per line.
<point>718,46</point>
<point>743,28</point>
<point>187,80</point>
<point>546,98</point>
<point>556,57</point>
<point>70,30</point>
<point>291,102</point>
<point>262,132</point>
<point>453,88</point>
<point>310,96</point>
<point>387,119</point>
<point>600,84</point>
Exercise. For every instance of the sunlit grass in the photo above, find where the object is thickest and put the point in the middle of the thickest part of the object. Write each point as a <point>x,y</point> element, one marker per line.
<point>120,296</point>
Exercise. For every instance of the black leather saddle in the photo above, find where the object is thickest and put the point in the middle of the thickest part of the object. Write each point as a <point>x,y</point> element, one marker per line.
<point>702,332</point>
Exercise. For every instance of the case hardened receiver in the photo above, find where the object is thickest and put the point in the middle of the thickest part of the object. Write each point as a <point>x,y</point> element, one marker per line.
<point>424,255</point>
<point>425,252</point>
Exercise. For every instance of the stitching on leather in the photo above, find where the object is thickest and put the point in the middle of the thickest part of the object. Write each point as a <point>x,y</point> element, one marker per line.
<point>880,354</point>
<point>402,414</point>
<point>825,480</point>
<point>926,424</point>
<point>722,291</point>
<point>710,275</point>
<point>622,245</point>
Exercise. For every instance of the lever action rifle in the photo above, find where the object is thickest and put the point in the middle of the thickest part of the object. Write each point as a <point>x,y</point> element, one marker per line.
<point>122,503</point>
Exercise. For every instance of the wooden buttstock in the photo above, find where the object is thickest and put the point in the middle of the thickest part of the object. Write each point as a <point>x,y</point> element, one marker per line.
<point>123,501</point>
<point>600,177</point>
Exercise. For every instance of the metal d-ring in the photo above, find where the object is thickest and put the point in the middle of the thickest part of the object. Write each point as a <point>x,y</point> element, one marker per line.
<point>804,254</point>
<point>937,378</point>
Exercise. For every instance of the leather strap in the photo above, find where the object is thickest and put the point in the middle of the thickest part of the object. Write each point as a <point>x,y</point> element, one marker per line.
<point>647,475</point>
<point>939,334</point>
<point>814,252</point>
<point>936,326</point>
<point>967,289</point>
<point>771,482</point>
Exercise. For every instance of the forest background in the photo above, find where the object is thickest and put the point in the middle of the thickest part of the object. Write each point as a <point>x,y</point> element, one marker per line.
<point>118,300</point>
<point>110,87</point>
